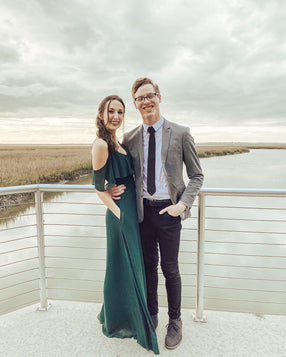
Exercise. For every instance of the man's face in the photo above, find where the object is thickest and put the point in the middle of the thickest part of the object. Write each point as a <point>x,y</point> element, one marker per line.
<point>148,108</point>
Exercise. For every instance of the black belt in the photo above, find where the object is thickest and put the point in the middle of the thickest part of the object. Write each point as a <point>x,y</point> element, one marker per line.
<point>156,203</point>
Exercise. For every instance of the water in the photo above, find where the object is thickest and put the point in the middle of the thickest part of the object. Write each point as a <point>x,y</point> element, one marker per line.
<point>240,217</point>
<point>258,169</point>
<point>265,169</point>
<point>241,233</point>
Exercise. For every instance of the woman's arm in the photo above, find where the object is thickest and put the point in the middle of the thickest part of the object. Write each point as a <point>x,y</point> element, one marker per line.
<point>99,158</point>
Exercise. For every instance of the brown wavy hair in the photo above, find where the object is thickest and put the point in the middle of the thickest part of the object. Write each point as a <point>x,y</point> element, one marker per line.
<point>102,131</point>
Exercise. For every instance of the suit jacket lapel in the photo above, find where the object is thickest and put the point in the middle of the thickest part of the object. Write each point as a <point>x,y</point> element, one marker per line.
<point>166,134</point>
<point>138,138</point>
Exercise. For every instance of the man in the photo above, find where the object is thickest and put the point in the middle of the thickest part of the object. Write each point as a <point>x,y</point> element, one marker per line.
<point>159,148</point>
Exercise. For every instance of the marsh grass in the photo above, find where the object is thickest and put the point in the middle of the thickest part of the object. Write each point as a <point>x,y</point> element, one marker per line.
<point>29,165</point>
<point>24,165</point>
<point>209,150</point>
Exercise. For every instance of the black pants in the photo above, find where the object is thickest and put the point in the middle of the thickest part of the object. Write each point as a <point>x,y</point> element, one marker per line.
<point>163,230</point>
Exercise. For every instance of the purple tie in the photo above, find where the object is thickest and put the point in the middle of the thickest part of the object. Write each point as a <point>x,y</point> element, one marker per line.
<point>151,188</point>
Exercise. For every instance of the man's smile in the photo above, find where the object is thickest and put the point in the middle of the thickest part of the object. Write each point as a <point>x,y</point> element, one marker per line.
<point>148,107</point>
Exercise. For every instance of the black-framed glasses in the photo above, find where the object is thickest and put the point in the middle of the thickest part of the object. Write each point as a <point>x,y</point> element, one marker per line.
<point>149,96</point>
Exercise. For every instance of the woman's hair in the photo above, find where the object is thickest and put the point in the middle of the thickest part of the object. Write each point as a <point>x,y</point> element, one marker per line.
<point>102,131</point>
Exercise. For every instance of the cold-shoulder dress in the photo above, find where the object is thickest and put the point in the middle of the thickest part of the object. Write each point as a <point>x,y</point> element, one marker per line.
<point>124,312</point>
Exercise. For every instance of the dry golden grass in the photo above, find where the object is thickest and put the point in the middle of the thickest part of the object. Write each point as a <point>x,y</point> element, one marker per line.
<point>233,148</point>
<point>22,165</point>
<point>212,150</point>
<point>267,146</point>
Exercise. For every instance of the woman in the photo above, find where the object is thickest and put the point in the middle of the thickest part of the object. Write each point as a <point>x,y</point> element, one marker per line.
<point>124,312</point>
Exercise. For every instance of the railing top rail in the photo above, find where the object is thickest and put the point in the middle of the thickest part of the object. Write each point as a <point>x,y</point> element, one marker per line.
<point>18,189</point>
<point>45,188</point>
<point>87,188</point>
<point>211,191</point>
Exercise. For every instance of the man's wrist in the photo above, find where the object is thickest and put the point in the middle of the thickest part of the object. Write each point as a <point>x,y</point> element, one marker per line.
<point>183,205</point>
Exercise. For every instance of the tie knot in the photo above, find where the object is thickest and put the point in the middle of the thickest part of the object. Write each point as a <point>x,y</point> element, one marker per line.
<point>151,130</point>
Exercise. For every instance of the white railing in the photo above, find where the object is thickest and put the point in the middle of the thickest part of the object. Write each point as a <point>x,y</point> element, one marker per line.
<point>232,254</point>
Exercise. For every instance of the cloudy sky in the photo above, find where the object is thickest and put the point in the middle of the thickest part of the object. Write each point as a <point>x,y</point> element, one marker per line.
<point>220,65</point>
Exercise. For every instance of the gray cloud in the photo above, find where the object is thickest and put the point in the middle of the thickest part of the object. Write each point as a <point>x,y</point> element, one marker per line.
<point>219,62</point>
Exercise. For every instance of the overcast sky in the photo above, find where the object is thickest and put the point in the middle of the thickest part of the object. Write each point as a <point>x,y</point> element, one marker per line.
<point>220,65</point>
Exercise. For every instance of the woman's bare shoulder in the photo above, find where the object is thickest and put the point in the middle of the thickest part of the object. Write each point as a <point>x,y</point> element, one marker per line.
<point>99,153</point>
<point>99,143</point>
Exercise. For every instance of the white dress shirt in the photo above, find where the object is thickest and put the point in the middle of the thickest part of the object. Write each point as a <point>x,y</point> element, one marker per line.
<point>160,179</point>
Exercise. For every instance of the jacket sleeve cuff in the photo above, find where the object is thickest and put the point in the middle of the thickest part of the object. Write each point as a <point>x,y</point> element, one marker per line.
<point>186,206</point>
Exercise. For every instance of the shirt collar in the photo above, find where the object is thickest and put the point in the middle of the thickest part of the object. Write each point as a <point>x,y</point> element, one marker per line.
<point>156,126</point>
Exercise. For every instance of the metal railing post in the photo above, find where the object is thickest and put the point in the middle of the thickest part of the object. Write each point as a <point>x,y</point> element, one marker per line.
<point>44,305</point>
<point>198,315</point>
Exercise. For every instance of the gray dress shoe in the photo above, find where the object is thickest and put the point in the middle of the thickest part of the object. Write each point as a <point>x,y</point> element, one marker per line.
<point>174,334</point>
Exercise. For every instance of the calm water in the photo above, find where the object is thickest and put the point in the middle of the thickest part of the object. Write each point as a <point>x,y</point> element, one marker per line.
<point>244,241</point>
<point>257,169</point>
<point>264,169</point>
<point>240,233</point>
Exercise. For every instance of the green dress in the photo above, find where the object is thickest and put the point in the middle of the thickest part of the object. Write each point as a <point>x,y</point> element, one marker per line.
<point>124,312</point>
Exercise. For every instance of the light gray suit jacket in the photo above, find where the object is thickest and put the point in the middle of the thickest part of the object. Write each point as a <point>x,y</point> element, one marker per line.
<point>177,148</point>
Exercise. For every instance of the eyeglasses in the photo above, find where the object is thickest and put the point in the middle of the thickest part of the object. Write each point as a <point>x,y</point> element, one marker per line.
<point>149,96</point>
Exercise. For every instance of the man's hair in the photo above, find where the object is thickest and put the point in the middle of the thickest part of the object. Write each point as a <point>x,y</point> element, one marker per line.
<point>141,82</point>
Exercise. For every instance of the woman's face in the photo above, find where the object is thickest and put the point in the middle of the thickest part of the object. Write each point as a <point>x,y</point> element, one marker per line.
<point>113,115</point>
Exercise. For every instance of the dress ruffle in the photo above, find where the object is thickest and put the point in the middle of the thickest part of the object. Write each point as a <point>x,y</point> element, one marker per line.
<point>105,177</point>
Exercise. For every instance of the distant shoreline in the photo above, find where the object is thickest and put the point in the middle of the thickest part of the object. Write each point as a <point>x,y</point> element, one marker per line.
<point>250,145</point>
<point>36,156</point>
<point>212,150</point>
<point>28,162</point>
<point>221,149</point>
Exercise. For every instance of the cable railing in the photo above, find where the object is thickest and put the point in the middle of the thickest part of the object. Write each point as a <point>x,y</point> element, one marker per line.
<point>232,251</point>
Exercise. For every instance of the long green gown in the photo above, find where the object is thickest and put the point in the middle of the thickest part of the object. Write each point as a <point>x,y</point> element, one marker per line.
<point>124,312</point>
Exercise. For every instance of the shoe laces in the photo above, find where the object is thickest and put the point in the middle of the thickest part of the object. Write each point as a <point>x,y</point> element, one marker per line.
<point>173,325</point>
